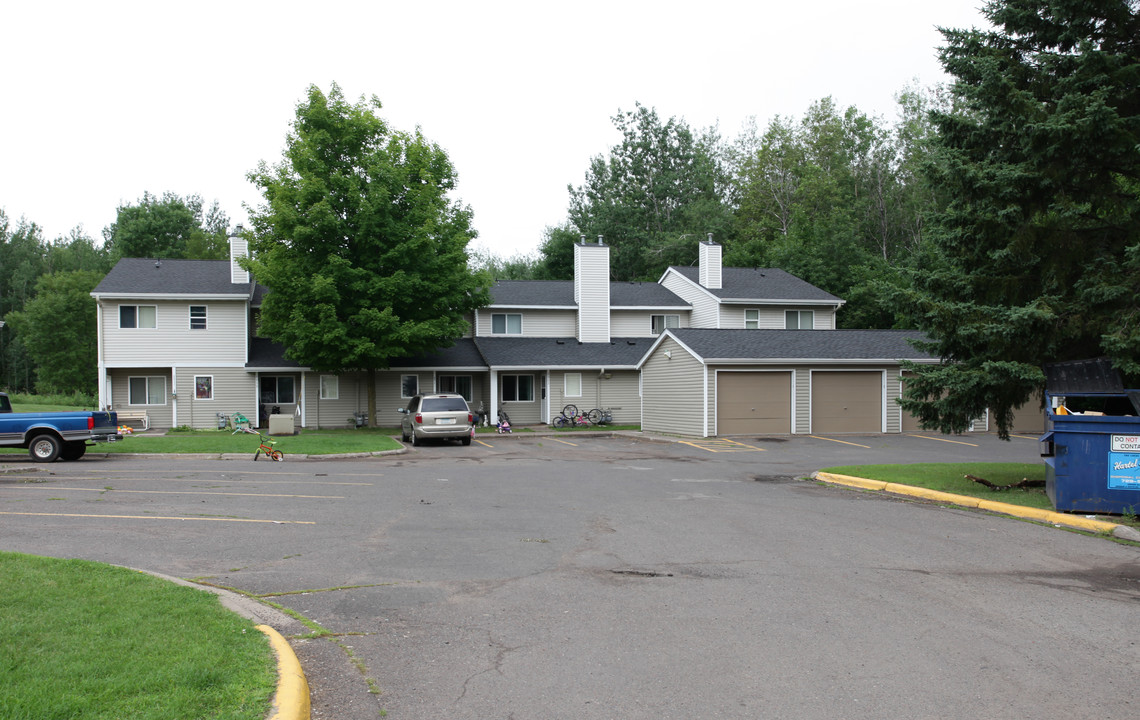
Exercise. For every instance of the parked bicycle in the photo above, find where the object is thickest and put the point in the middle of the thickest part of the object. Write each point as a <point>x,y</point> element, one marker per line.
<point>265,447</point>
<point>571,418</point>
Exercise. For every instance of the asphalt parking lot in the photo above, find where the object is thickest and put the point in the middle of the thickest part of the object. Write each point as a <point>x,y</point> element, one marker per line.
<point>599,577</point>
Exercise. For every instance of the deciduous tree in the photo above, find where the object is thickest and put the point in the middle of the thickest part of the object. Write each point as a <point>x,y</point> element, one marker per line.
<point>363,250</point>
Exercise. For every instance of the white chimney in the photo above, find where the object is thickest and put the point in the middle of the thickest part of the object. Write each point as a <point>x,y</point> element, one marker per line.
<point>709,265</point>
<point>239,248</point>
<point>592,290</point>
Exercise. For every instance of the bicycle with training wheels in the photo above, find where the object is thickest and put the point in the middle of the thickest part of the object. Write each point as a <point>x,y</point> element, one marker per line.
<point>570,417</point>
<point>266,446</point>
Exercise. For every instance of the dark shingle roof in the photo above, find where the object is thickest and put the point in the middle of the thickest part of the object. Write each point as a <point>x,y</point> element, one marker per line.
<point>760,284</point>
<point>560,293</point>
<point>146,276</point>
<point>767,345</point>
<point>562,352</point>
<point>265,353</point>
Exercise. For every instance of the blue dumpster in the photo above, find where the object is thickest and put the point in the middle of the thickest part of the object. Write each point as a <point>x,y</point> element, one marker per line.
<point>1093,463</point>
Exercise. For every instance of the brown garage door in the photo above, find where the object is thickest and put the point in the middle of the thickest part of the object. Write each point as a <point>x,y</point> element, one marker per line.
<point>846,402</point>
<point>753,402</point>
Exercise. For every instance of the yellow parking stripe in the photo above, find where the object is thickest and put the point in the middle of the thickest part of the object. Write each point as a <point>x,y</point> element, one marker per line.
<point>564,442</point>
<point>1026,437</point>
<point>956,442</point>
<point>817,437</point>
<point>483,443</point>
<point>716,445</point>
<point>162,517</point>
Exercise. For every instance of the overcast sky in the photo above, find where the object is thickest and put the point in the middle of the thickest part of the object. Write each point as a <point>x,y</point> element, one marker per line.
<point>104,101</point>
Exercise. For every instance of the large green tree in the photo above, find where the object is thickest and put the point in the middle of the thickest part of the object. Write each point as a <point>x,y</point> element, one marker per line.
<point>1040,170</point>
<point>363,250</point>
<point>58,327</point>
<point>168,227</point>
<point>656,194</point>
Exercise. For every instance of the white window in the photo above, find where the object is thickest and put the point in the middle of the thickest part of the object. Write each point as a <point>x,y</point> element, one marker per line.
<point>799,320</point>
<point>752,319</point>
<point>146,390</point>
<point>138,316</point>
<point>660,322</point>
<point>518,388</point>
<point>409,386</point>
<point>203,387</point>
<point>276,389</point>
<point>330,387</point>
<point>506,324</point>
<point>573,385</point>
<point>197,317</point>
<point>458,384</point>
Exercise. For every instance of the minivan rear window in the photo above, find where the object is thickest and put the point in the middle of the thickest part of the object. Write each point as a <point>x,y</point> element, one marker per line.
<point>455,404</point>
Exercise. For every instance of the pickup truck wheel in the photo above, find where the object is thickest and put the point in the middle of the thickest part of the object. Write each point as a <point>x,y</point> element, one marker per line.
<point>45,448</point>
<point>73,450</point>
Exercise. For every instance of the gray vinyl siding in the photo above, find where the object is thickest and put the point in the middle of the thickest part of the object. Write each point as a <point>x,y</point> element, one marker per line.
<point>705,306</point>
<point>161,416</point>
<point>893,388</point>
<point>592,292</point>
<point>352,397</point>
<point>772,317</point>
<point>234,391</point>
<point>535,323</point>
<point>221,343</point>
<point>672,391</point>
<point>619,393</point>
<point>802,394</point>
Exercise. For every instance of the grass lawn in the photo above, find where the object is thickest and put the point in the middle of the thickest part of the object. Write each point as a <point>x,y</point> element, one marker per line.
<point>950,477</point>
<point>91,641</point>
<point>307,442</point>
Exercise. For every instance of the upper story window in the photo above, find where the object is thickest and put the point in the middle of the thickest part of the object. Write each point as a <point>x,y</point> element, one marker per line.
<point>506,324</point>
<point>660,322</point>
<point>138,316</point>
<point>752,319</point>
<point>799,320</point>
<point>197,317</point>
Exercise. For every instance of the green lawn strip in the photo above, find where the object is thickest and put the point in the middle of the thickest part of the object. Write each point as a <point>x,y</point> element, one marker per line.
<point>315,442</point>
<point>87,640</point>
<point>950,478</point>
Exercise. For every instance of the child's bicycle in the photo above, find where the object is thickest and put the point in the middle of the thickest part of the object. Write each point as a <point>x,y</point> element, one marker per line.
<point>266,445</point>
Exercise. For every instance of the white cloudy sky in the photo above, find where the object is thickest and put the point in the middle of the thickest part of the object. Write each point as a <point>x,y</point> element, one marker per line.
<point>103,101</point>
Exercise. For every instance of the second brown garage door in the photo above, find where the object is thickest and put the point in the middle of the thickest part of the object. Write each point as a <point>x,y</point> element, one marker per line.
<point>847,402</point>
<point>753,402</point>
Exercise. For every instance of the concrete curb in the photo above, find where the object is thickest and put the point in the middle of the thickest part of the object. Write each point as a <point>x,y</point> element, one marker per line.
<point>292,699</point>
<point>1046,516</point>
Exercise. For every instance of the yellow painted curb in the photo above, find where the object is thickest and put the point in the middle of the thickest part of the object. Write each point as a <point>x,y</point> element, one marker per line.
<point>292,699</point>
<point>1048,516</point>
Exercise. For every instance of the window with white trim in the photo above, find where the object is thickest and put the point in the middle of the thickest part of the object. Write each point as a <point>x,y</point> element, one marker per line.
<point>330,387</point>
<point>659,323</point>
<point>518,388</point>
<point>409,386</point>
<point>197,317</point>
<point>146,390</point>
<point>799,320</point>
<point>277,389</point>
<point>203,387</point>
<point>138,316</point>
<point>506,324</point>
<point>457,384</point>
<point>573,385</point>
<point>751,319</point>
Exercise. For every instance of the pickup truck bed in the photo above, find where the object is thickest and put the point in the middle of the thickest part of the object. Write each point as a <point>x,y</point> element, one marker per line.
<point>55,435</point>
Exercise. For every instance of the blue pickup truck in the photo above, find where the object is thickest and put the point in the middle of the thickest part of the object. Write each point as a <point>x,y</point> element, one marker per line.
<point>55,435</point>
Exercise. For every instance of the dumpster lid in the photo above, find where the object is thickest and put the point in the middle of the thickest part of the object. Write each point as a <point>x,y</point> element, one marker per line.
<point>1083,376</point>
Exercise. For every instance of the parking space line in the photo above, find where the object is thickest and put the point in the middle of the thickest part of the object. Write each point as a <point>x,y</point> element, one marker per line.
<point>717,445</point>
<point>1026,437</point>
<point>162,517</point>
<point>483,443</point>
<point>40,486</point>
<point>817,437</point>
<point>928,437</point>
<point>564,442</point>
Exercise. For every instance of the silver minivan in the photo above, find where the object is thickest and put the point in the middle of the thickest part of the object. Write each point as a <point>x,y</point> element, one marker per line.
<point>437,416</point>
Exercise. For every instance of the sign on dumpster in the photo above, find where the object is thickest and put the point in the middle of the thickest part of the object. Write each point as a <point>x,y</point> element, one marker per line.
<point>1124,463</point>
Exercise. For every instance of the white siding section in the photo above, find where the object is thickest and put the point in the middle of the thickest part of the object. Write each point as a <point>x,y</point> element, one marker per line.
<point>592,292</point>
<point>673,392</point>
<point>709,271</point>
<point>639,323</point>
<point>619,393</point>
<point>771,317</point>
<point>535,323</point>
<point>234,391</point>
<point>223,342</point>
<point>704,313</point>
